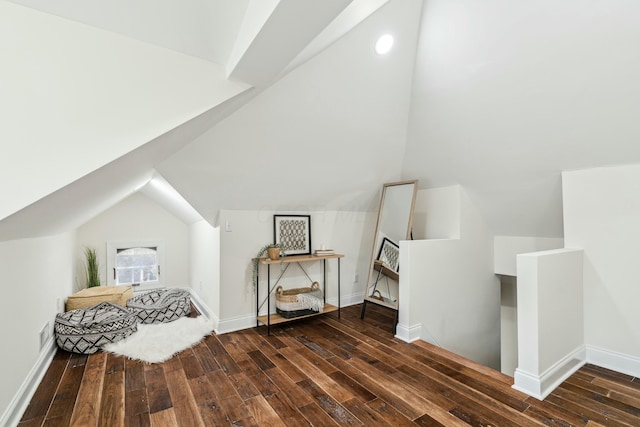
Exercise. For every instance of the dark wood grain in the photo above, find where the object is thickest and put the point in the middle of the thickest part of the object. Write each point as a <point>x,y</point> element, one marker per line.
<point>184,405</point>
<point>86,411</point>
<point>157,391</point>
<point>164,418</point>
<point>138,420</point>
<point>191,365</point>
<point>38,408</point>
<point>65,397</point>
<point>134,375</point>
<point>319,371</point>
<point>111,413</point>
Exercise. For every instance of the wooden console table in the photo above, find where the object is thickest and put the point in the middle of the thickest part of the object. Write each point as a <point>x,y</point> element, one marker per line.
<point>274,319</point>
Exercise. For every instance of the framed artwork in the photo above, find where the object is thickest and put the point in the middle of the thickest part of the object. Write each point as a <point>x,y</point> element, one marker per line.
<point>293,232</point>
<point>388,254</point>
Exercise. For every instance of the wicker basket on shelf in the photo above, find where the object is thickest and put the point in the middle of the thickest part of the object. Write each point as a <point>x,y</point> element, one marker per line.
<point>288,303</point>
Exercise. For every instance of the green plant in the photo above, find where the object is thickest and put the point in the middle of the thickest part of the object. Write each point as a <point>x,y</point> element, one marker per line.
<point>262,253</point>
<point>93,274</point>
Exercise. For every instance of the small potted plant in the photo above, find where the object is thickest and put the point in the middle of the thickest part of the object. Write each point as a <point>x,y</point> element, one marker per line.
<point>272,251</point>
<point>93,274</point>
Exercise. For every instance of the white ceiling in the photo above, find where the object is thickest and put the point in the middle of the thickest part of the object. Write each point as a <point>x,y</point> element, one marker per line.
<point>75,98</point>
<point>203,28</point>
<point>81,200</point>
<point>497,96</point>
<point>93,82</point>
<point>325,136</point>
<point>506,95</point>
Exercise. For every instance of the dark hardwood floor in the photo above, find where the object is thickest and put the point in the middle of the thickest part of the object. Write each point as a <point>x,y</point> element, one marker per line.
<point>322,371</point>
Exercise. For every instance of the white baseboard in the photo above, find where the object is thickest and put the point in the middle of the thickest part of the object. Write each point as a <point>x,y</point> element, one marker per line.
<point>618,362</point>
<point>408,333</point>
<point>347,300</point>
<point>20,401</point>
<point>426,336</point>
<point>203,308</point>
<point>236,324</point>
<point>539,386</point>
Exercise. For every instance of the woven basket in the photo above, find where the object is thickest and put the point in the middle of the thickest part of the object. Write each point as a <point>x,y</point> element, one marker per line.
<point>287,300</point>
<point>93,296</point>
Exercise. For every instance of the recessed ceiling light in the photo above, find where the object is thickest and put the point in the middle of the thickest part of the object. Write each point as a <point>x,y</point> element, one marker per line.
<point>384,44</point>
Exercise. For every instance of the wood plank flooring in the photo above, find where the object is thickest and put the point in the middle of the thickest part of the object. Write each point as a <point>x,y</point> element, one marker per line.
<point>323,371</point>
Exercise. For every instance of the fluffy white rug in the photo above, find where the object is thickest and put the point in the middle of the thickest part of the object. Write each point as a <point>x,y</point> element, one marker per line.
<point>157,343</point>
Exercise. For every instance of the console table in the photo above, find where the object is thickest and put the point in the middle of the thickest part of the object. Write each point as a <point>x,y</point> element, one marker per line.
<point>274,319</point>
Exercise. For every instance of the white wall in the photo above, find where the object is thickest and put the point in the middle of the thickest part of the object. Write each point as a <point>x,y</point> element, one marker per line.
<point>508,325</point>
<point>137,218</point>
<point>204,265</point>
<point>550,319</point>
<point>505,249</point>
<point>602,216</point>
<point>448,293</point>
<point>437,214</point>
<point>36,274</point>
<point>348,233</point>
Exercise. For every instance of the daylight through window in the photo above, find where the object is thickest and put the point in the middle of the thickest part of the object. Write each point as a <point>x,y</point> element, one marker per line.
<point>136,265</point>
<point>136,262</point>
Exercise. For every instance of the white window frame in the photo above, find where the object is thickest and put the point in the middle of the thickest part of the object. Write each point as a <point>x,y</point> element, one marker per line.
<point>112,250</point>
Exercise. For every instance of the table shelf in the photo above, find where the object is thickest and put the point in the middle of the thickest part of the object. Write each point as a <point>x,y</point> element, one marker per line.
<point>386,271</point>
<point>297,258</point>
<point>277,319</point>
<point>274,318</point>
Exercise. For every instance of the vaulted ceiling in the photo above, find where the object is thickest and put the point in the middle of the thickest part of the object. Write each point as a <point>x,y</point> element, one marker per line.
<point>506,95</point>
<point>267,104</point>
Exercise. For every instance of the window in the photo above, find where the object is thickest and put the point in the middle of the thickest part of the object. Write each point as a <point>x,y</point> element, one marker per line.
<point>135,263</point>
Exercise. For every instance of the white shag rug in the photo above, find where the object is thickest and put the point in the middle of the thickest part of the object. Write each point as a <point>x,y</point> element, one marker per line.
<point>159,342</point>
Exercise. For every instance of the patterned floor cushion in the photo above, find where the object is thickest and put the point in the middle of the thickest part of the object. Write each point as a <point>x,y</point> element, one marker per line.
<point>161,305</point>
<point>85,330</point>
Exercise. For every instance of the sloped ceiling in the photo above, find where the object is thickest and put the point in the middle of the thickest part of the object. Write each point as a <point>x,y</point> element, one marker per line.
<point>506,95</point>
<point>107,107</point>
<point>80,201</point>
<point>75,98</point>
<point>503,97</point>
<point>325,136</point>
<point>205,29</point>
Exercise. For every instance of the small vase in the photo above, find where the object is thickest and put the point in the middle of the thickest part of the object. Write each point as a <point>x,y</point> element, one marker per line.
<point>274,253</point>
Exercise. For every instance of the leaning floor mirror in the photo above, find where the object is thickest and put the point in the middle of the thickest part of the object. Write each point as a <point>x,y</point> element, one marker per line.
<point>395,216</point>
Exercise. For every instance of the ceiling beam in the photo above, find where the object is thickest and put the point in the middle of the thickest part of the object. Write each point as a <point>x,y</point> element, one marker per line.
<point>286,27</point>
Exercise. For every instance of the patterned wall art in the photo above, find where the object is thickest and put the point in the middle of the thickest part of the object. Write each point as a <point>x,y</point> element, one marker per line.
<point>293,232</point>
<point>389,252</point>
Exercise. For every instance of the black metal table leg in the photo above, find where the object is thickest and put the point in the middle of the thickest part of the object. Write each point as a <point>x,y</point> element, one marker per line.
<point>395,322</point>
<point>268,299</point>
<point>338,288</point>
<point>324,280</point>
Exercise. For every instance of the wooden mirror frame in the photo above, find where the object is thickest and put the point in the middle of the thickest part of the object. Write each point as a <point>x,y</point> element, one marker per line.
<point>379,268</point>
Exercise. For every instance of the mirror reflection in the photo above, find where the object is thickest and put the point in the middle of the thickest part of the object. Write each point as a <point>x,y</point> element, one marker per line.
<point>395,216</point>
